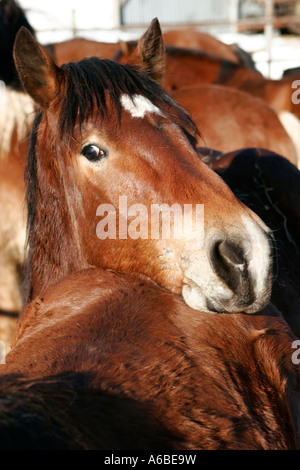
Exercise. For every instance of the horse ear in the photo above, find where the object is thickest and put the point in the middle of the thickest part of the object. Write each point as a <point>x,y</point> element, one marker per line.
<point>38,73</point>
<point>150,51</point>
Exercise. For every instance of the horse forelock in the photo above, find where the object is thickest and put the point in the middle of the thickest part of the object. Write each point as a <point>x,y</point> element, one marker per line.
<point>90,82</point>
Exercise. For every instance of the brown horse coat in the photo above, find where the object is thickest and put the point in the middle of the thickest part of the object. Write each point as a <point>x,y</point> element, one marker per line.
<point>230,119</point>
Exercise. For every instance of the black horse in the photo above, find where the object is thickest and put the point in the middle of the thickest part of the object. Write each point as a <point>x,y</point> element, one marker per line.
<point>12,17</point>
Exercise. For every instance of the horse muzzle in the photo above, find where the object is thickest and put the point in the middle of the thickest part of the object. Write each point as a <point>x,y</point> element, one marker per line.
<point>233,273</point>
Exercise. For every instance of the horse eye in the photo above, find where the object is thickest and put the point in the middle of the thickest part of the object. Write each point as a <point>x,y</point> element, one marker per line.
<point>92,152</point>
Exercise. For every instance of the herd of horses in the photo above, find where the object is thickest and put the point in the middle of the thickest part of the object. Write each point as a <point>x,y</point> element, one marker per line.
<point>144,343</point>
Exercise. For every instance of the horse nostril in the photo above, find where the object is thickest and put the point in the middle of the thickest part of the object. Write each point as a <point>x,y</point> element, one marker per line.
<point>231,254</point>
<point>229,263</point>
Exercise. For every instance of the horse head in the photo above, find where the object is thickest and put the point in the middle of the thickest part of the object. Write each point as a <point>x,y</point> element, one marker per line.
<point>110,142</point>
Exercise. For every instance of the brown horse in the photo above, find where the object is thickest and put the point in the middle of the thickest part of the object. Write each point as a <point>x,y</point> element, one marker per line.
<point>278,93</point>
<point>76,49</point>
<point>196,40</point>
<point>113,361</point>
<point>200,41</point>
<point>109,131</point>
<point>186,67</point>
<point>230,119</point>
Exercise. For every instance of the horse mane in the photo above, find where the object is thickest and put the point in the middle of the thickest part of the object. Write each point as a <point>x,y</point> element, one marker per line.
<point>88,84</point>
<point>30,177</point>
<point>103,76</point>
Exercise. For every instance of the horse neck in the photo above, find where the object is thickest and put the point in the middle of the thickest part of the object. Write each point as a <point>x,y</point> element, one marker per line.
<point>238,76</point>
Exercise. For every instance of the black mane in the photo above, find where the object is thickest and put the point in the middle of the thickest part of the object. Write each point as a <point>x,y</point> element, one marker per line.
<point>30,178</point>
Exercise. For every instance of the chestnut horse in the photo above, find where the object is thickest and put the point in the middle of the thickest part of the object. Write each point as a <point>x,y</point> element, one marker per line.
<point>278,93</point>
<point>185,67</point>
<point>197,40</point>
<point>112,361</point>
<point>76,49</point>
<point>106,131</point>
<point>231,119</point>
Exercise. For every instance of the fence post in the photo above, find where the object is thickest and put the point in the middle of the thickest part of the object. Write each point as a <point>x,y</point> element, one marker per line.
<point>116,13</point>
<point>2,352</point>
<point>269,13</point>
<point>74,25</point>
<point>234,15</point>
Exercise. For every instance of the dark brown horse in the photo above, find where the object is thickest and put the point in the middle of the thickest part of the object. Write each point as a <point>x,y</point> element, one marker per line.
<point>108,131</point>
<point>105,360</point>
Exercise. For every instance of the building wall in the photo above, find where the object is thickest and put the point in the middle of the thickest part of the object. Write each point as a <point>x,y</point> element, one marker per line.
<point>135,12</point>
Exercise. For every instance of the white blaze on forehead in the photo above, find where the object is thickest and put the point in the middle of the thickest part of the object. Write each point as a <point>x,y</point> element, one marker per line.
<point>138,105</point>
